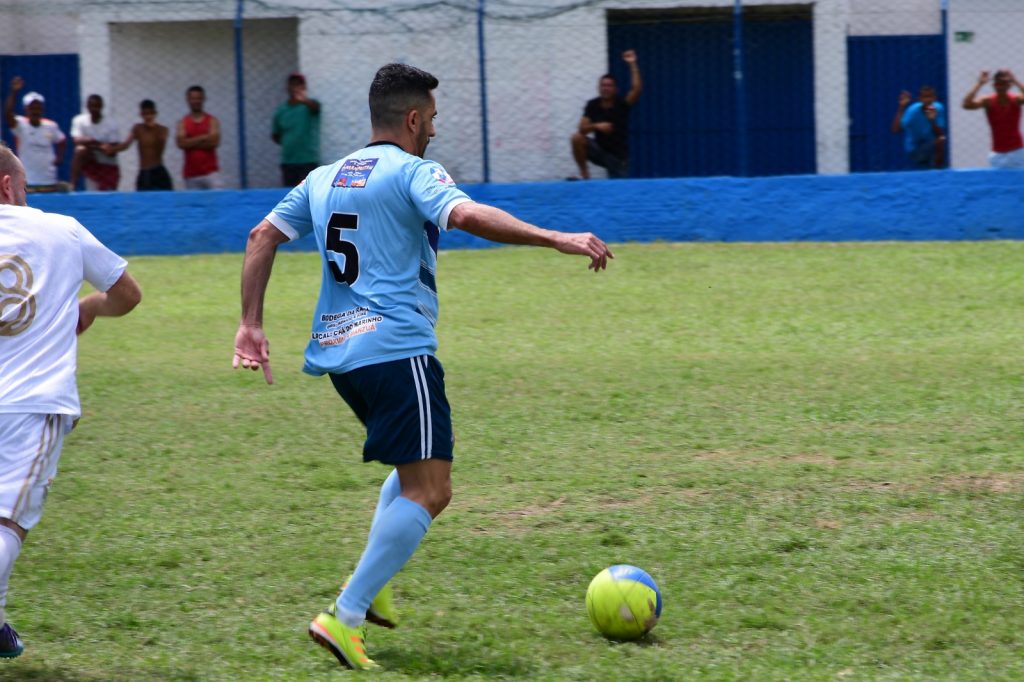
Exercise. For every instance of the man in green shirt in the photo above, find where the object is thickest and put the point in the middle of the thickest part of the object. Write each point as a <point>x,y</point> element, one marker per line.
<point>297,130</point>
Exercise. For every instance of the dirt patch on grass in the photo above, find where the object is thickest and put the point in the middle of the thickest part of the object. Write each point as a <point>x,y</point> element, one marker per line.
<point>1006,482</point>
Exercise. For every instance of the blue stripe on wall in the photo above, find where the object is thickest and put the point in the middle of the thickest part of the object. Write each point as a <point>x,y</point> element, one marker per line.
<point>934,205</point>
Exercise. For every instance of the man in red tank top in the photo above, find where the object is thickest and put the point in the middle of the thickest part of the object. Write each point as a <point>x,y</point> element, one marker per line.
<point>198,136</point>
<point>1002,108</point>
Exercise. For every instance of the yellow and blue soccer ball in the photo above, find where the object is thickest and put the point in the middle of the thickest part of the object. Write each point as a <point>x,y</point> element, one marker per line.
<point>623,602</point>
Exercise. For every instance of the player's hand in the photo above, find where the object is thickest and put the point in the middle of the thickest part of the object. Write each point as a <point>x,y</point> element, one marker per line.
<point>586,244</point>
<point>604,127</point>
<point>904,98</point>
<point>17,83</point>
<point>629,56</point>
<point>252,350</point>
<point>983,78</point>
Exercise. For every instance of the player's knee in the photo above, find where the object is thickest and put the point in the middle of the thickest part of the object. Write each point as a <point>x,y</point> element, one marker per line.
<point>437,498</point>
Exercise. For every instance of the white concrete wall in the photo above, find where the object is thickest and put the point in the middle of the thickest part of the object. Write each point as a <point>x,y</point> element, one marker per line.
<point>895,17</point>
<point>539,73</point>
<point>996,26</point>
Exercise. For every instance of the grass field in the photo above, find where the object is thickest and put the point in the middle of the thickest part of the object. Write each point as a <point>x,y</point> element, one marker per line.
<point>815,449</point>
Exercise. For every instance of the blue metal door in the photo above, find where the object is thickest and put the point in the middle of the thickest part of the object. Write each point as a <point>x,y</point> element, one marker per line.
<point>685,123</point>
<point>55,77</point>
<point>879,68</point>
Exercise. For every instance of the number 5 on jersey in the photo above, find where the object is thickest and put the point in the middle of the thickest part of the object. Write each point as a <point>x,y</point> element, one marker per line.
<point>337,244</point>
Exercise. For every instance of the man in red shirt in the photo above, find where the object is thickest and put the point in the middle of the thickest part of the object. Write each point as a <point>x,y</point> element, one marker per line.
<point>1002,108</point>
<point>198,135</point>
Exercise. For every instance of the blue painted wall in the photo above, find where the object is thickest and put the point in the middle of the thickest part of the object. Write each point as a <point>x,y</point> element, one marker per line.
<point>934,205</point>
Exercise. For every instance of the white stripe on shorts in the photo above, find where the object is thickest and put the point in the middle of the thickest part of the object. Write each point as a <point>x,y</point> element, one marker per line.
<point>47,440</point>
<point>423,399</point>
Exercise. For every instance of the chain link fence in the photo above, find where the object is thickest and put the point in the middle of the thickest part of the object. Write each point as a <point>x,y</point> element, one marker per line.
<point>728,88</point>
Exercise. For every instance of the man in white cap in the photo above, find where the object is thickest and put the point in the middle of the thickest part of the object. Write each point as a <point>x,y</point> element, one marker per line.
<point>40,142</point>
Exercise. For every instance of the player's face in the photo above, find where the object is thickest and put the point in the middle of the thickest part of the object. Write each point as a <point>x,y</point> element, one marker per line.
<point>12,187</point>
<point>148,116</point>
<point>426,130</point>
<point>927,97</point>
<point>1001,84</point>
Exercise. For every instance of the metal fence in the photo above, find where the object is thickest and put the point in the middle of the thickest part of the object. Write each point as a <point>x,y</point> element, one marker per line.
<point>729,87</point>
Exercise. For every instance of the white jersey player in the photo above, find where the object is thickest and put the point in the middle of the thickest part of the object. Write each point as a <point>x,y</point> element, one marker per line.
<point>44,258</point>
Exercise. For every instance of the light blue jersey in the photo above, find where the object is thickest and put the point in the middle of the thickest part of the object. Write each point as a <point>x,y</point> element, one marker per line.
<point>375,215</point>
<point>917,128</point>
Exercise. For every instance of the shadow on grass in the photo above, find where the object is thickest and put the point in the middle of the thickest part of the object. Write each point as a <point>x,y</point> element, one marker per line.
<point>37,671</point>
<point>490,663</point>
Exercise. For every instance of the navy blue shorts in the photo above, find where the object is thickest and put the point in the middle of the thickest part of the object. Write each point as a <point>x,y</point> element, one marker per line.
<point>403,405</point>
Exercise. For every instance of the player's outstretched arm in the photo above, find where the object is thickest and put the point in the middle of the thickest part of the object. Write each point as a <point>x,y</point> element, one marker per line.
<point>252,350</point>
<point>497,225</point>
<point>118,300</point>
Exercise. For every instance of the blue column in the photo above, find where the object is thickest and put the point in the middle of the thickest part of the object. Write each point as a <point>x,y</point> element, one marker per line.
<point>742,123</point>
<point>482,59</point>
<point>240,95</point>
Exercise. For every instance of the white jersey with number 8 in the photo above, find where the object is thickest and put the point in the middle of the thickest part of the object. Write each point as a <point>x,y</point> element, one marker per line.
<point>44,258</point>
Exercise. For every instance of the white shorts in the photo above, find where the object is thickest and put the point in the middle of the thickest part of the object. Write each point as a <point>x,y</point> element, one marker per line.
<point>1014,159</point>
<point>210,181</point>
<point>30,446</point>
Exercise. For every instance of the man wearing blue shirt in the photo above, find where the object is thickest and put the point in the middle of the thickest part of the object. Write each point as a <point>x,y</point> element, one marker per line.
<point>923,125</point>
<point>377,215</point>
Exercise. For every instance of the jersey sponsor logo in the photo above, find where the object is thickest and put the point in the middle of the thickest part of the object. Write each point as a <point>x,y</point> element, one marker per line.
<point>354,173</point>
<point>441,176</point>
<point>340,327</point>
<point>17,303</point>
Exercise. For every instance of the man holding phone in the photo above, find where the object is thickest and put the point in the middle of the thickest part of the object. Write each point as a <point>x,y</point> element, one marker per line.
<point>923,125</point>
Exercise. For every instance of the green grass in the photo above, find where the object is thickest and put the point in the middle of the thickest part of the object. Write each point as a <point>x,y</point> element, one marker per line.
<point>815,449</point>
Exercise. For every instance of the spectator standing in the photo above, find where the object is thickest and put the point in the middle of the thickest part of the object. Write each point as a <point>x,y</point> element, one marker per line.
<point>296,128</point>
<point>45,258</point>
<point>152,139</point>
<point>606,117</point>
<point>1002,108</point>
<point>923,125</point>
<point>40,142</point>
<point>96,139</point>
<point>198,135</point>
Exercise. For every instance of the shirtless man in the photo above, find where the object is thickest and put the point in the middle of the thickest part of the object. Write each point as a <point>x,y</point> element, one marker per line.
<point>152,138</point>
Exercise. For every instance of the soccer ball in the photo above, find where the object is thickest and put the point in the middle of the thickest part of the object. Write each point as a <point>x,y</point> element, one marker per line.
<point>623,602</point>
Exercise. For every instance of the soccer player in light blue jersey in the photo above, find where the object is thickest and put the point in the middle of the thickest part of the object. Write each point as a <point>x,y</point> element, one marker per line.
<point>377,215</point>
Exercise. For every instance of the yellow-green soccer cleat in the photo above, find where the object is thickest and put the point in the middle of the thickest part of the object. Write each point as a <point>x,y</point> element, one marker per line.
<point>382,608</point>
<point>347,644</point>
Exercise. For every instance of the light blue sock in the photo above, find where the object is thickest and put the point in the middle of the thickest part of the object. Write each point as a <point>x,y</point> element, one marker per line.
<point>389,490</point>
<point>395,537</point>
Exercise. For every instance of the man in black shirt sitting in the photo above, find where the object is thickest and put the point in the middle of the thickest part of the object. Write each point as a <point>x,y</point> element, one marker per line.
<point>607,117</point>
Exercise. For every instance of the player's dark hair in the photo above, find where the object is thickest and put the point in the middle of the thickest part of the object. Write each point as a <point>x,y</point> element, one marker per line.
<point>608,76</point>
<point>927,88</point>
<point>395,90</point>
<point>94,97</point>
<point>147,104</point>
<point>196,88</point>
